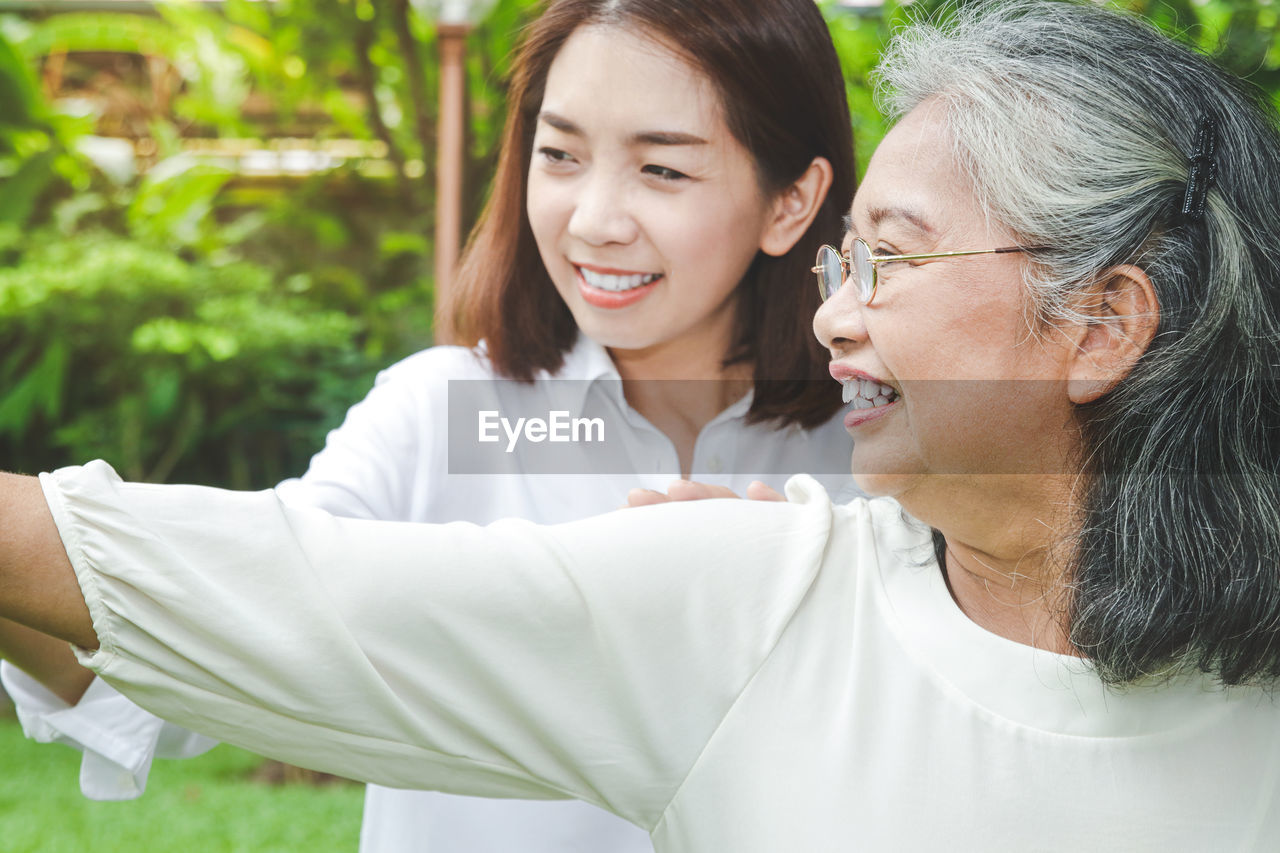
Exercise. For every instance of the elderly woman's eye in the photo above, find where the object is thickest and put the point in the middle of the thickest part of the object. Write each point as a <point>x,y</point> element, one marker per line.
<point>886,252</point>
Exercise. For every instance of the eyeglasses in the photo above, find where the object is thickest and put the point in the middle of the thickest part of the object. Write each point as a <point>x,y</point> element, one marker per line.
<point>833,268</point>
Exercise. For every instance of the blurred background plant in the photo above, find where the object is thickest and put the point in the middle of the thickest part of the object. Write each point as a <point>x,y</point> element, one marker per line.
<point>215,215</point>
<point>214,222</point>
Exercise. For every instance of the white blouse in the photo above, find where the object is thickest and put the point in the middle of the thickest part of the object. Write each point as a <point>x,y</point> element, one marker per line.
<point>729,675</point>
<point>399,455</point>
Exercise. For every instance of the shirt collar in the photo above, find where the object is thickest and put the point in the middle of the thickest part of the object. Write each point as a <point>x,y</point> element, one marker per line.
<point>587,363</point>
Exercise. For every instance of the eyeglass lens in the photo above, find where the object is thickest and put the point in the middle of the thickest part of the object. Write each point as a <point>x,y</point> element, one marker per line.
<point>830,271</point>
<point>864,270</point>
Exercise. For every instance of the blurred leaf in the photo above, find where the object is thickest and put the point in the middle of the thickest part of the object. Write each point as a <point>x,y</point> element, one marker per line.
<point>20,102</point>
<point>37,393</point>
<point>100,31</point>
<point>20,191</point>
<point>175,200</point>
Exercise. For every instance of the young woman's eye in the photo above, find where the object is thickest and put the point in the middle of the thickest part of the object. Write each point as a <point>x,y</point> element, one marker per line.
<point>664,173</point>
<point>554,155</point>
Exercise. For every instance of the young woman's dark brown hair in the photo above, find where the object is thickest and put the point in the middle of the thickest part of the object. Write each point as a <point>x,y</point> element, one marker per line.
<point>780,86</point>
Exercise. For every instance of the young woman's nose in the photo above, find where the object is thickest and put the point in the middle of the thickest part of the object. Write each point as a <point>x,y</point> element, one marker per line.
<point>839,323</point>
<point>601,214</point>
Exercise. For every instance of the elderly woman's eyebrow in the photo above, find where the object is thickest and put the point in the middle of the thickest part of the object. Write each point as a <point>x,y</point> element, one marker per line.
<point>878,215</point>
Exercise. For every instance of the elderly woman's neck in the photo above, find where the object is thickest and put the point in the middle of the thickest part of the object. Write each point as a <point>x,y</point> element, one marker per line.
<point>1005,559</point>
<point>1015,600</point>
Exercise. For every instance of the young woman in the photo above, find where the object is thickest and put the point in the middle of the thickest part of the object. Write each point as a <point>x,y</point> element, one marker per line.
<point>668,171</point>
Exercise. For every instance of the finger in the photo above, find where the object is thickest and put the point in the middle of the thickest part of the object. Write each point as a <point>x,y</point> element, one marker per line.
<point>686,490</point>
<point>645,497</point>
<point>759,491</point>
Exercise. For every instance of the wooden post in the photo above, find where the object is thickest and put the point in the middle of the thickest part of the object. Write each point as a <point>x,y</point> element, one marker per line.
<point>449,165</point>
<point>54,64</point>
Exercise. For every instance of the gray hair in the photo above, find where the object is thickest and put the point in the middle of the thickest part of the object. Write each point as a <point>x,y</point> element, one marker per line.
<point>1076,125</point>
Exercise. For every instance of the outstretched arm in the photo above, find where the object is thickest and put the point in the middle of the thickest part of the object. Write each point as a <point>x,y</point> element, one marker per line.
<point>38,588</point>
<point>594,659</point>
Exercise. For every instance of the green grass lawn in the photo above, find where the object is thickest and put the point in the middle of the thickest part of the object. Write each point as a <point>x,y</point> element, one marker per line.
<point>200,804</point>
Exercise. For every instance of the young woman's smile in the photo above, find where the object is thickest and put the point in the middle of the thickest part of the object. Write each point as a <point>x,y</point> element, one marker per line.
<point>613,288</point>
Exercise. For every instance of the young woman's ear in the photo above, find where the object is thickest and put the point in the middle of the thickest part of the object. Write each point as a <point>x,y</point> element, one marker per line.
<point>1125,315</point>
<point>795,207</point>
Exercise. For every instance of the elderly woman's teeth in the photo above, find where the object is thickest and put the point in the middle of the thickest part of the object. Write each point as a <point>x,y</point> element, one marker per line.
<point>866,393</point>
<point>617,283</point>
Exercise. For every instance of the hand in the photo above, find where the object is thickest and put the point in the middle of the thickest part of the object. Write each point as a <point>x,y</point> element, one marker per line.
<point>686,490</point>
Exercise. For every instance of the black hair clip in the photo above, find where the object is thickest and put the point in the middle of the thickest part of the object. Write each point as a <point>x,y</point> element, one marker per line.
<point>1204,170</point>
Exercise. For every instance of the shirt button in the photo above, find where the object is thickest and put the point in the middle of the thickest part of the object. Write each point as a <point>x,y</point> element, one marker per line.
<point>714,465</point>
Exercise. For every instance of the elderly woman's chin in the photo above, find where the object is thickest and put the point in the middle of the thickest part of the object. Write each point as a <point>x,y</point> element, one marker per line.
<point>884,473</point>
<point>960,467</point>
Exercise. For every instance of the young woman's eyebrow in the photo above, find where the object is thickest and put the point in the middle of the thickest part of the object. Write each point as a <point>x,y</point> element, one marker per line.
<point>644,137</point>
<point>559,122</point>
<point>665,137</point>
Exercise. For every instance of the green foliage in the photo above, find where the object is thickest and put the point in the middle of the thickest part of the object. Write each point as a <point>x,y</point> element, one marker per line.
<point>1243,35</point>
<point>858,37</point>
<point>168,368</point>
<point>34,144</point>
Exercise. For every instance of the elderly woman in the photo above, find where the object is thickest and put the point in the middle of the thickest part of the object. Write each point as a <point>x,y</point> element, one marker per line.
<point>1056,312</point>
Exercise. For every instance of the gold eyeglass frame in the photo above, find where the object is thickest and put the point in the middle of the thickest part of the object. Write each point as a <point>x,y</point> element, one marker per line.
<point>846,264</point>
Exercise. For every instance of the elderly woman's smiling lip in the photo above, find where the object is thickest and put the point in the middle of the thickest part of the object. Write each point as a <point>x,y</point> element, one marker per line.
<point>872,398</point>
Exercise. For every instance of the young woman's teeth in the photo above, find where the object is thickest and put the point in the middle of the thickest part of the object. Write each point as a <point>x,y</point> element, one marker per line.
<point>617,283</point>
<point>867,393</point>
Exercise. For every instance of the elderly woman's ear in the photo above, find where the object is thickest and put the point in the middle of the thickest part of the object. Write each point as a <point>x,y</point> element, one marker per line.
<point>1119,317</point>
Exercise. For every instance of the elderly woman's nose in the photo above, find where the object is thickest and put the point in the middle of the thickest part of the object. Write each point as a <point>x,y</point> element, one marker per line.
<point>839,322</point>
<point>601,214</point>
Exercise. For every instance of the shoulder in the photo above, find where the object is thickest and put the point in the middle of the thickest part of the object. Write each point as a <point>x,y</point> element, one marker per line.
<point>421,380</point>
<point>435,363</point>
<point>880,524</point>
<point>438,365</point>
<point>744,547</point>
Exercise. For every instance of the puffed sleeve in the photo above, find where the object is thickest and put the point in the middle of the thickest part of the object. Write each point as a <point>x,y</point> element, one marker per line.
<point>373,466</point>
<point>592,660</point>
